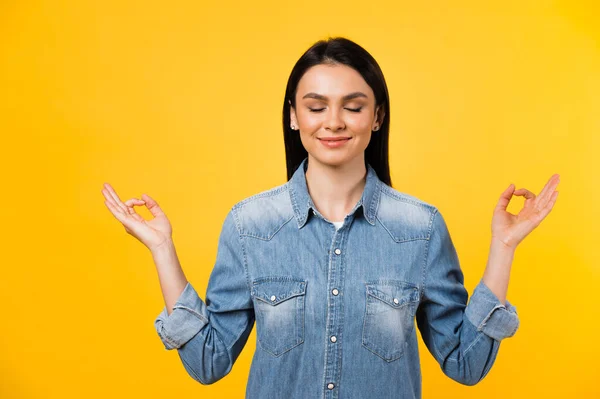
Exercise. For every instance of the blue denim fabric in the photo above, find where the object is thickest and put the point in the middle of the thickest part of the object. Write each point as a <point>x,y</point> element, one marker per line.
<point>335,310</point>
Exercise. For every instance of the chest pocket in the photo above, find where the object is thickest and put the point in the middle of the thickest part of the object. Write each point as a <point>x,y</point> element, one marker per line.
<point>389,317</point>
<point>279,308</point>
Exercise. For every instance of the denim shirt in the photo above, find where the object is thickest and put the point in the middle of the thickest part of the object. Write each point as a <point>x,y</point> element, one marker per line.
<point>335,309</point>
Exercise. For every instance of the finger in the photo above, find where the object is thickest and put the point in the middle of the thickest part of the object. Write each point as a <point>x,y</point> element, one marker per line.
<point>505,198</point>
<point>134,201</point>
<point>111,196</point>
<point>524,193</point>
<point>550,202</point>
<point>110,199</point>
<point>545,195</point>
<point>548,190</point>
<point>542,202</point>
<point>115,197</point>
<point>546,210</point>
<point>117,212</point>
<point>130,203</point>
<point>152,205</point>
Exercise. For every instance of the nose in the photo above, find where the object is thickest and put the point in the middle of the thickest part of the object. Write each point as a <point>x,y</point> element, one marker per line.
<point>334,121</point>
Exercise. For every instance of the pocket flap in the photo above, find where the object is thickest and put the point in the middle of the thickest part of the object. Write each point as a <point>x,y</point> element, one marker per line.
<point>275,290</point>
<point>394,293</point>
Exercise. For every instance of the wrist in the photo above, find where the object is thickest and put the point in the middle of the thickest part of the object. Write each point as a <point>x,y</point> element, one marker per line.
<point>503,245</point>
<point>165,247</point>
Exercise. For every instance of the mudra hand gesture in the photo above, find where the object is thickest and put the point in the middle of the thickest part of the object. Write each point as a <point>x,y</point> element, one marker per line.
<point>512,229</point>
<point>152,233</point>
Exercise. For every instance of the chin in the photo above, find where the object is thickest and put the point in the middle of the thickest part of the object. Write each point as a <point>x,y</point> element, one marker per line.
<point>333,159</point>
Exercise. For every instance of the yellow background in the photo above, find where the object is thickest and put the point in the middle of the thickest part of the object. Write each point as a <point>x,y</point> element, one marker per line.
<point>182,100</point>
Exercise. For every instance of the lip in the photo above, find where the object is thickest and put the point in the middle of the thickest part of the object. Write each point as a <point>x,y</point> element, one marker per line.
<point>333,138</point>
<point>334,142</point>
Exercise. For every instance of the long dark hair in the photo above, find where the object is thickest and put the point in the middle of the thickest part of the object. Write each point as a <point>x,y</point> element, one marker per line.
<point>340,50</point>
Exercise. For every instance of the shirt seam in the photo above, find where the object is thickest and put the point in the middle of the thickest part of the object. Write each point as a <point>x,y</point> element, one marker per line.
<point>471,345</point>
<point>430,233</point>
<point>200,316</point>
<point>424,271</point>
<point>241,241</point>
<point>245,265</point>
<point>172,343</point>
<point>424,277</point>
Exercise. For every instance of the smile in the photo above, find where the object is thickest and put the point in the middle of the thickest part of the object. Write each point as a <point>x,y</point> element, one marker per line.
<point>334,142</point>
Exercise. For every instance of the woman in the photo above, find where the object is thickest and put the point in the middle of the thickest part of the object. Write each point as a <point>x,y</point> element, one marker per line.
<point>335,265</point>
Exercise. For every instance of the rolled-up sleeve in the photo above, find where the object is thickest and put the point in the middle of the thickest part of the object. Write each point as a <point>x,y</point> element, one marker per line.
<point>489,315</point>
<point>185,321</point>
<point>463,338</point>
<point>209,335</point>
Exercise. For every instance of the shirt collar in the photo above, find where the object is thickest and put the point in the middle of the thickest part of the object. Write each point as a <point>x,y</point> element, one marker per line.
<point>302,202</point>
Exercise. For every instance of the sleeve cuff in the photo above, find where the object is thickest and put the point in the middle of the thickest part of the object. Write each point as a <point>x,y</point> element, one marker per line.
<point>489,315</point>
<point>185,321</point>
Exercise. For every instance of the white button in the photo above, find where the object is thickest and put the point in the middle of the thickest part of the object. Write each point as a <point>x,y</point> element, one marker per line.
<point>396,301</point>
<point>314,213</point>
<point>335,291</point>
<point>337,251</point>
<point>333,338</point>
<point>273,297</point>
<point>330,385</point>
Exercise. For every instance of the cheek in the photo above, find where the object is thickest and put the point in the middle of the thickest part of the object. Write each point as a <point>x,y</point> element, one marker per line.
<point>362,124</point>
<point>308,141</point>
<point>310,121</point>
<point>363,140</point>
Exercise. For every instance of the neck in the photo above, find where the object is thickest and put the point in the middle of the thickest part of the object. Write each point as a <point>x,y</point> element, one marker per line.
<point>335,189</point>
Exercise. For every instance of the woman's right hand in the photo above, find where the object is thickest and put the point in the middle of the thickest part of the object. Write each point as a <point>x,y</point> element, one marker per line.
<point>152,233</point>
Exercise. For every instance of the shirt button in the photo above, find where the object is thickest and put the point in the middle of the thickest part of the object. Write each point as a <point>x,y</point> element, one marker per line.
<point>335,291</point>
<point>330,385</point>
<point>273,297</point>
<point>338,251</point>
<point>333,338</point>
<point>396,301</point>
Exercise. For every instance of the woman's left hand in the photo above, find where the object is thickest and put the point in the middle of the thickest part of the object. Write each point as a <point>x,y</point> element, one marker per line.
<point>512,229</point>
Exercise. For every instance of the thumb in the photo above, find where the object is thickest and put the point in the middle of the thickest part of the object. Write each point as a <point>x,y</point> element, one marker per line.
<point>505,197</point>
<point>152,205</point>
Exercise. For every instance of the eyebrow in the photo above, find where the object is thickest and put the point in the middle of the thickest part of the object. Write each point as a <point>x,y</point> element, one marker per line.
<point>345,98</point>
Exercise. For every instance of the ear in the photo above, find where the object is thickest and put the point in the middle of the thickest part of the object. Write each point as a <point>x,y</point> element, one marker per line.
<point>292,114</point>
<point>379,116</point>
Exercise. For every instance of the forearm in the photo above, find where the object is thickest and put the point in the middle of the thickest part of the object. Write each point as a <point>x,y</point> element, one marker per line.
<point>170,274</point>
<point>497,271</point>
<point>473,358</point>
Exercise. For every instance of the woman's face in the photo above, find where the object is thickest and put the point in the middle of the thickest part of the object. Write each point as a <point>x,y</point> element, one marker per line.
<point>334,102</point>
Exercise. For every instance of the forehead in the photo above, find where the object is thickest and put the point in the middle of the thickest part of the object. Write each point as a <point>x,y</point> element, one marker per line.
<point>332,81</point>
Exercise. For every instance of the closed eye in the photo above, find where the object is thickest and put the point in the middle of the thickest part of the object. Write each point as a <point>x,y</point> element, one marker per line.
<point>321,109</point>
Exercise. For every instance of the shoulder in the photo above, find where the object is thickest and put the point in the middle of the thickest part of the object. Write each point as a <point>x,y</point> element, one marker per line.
<point>261,215</point>
<point>405,217</point>
<point>403,201</point>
